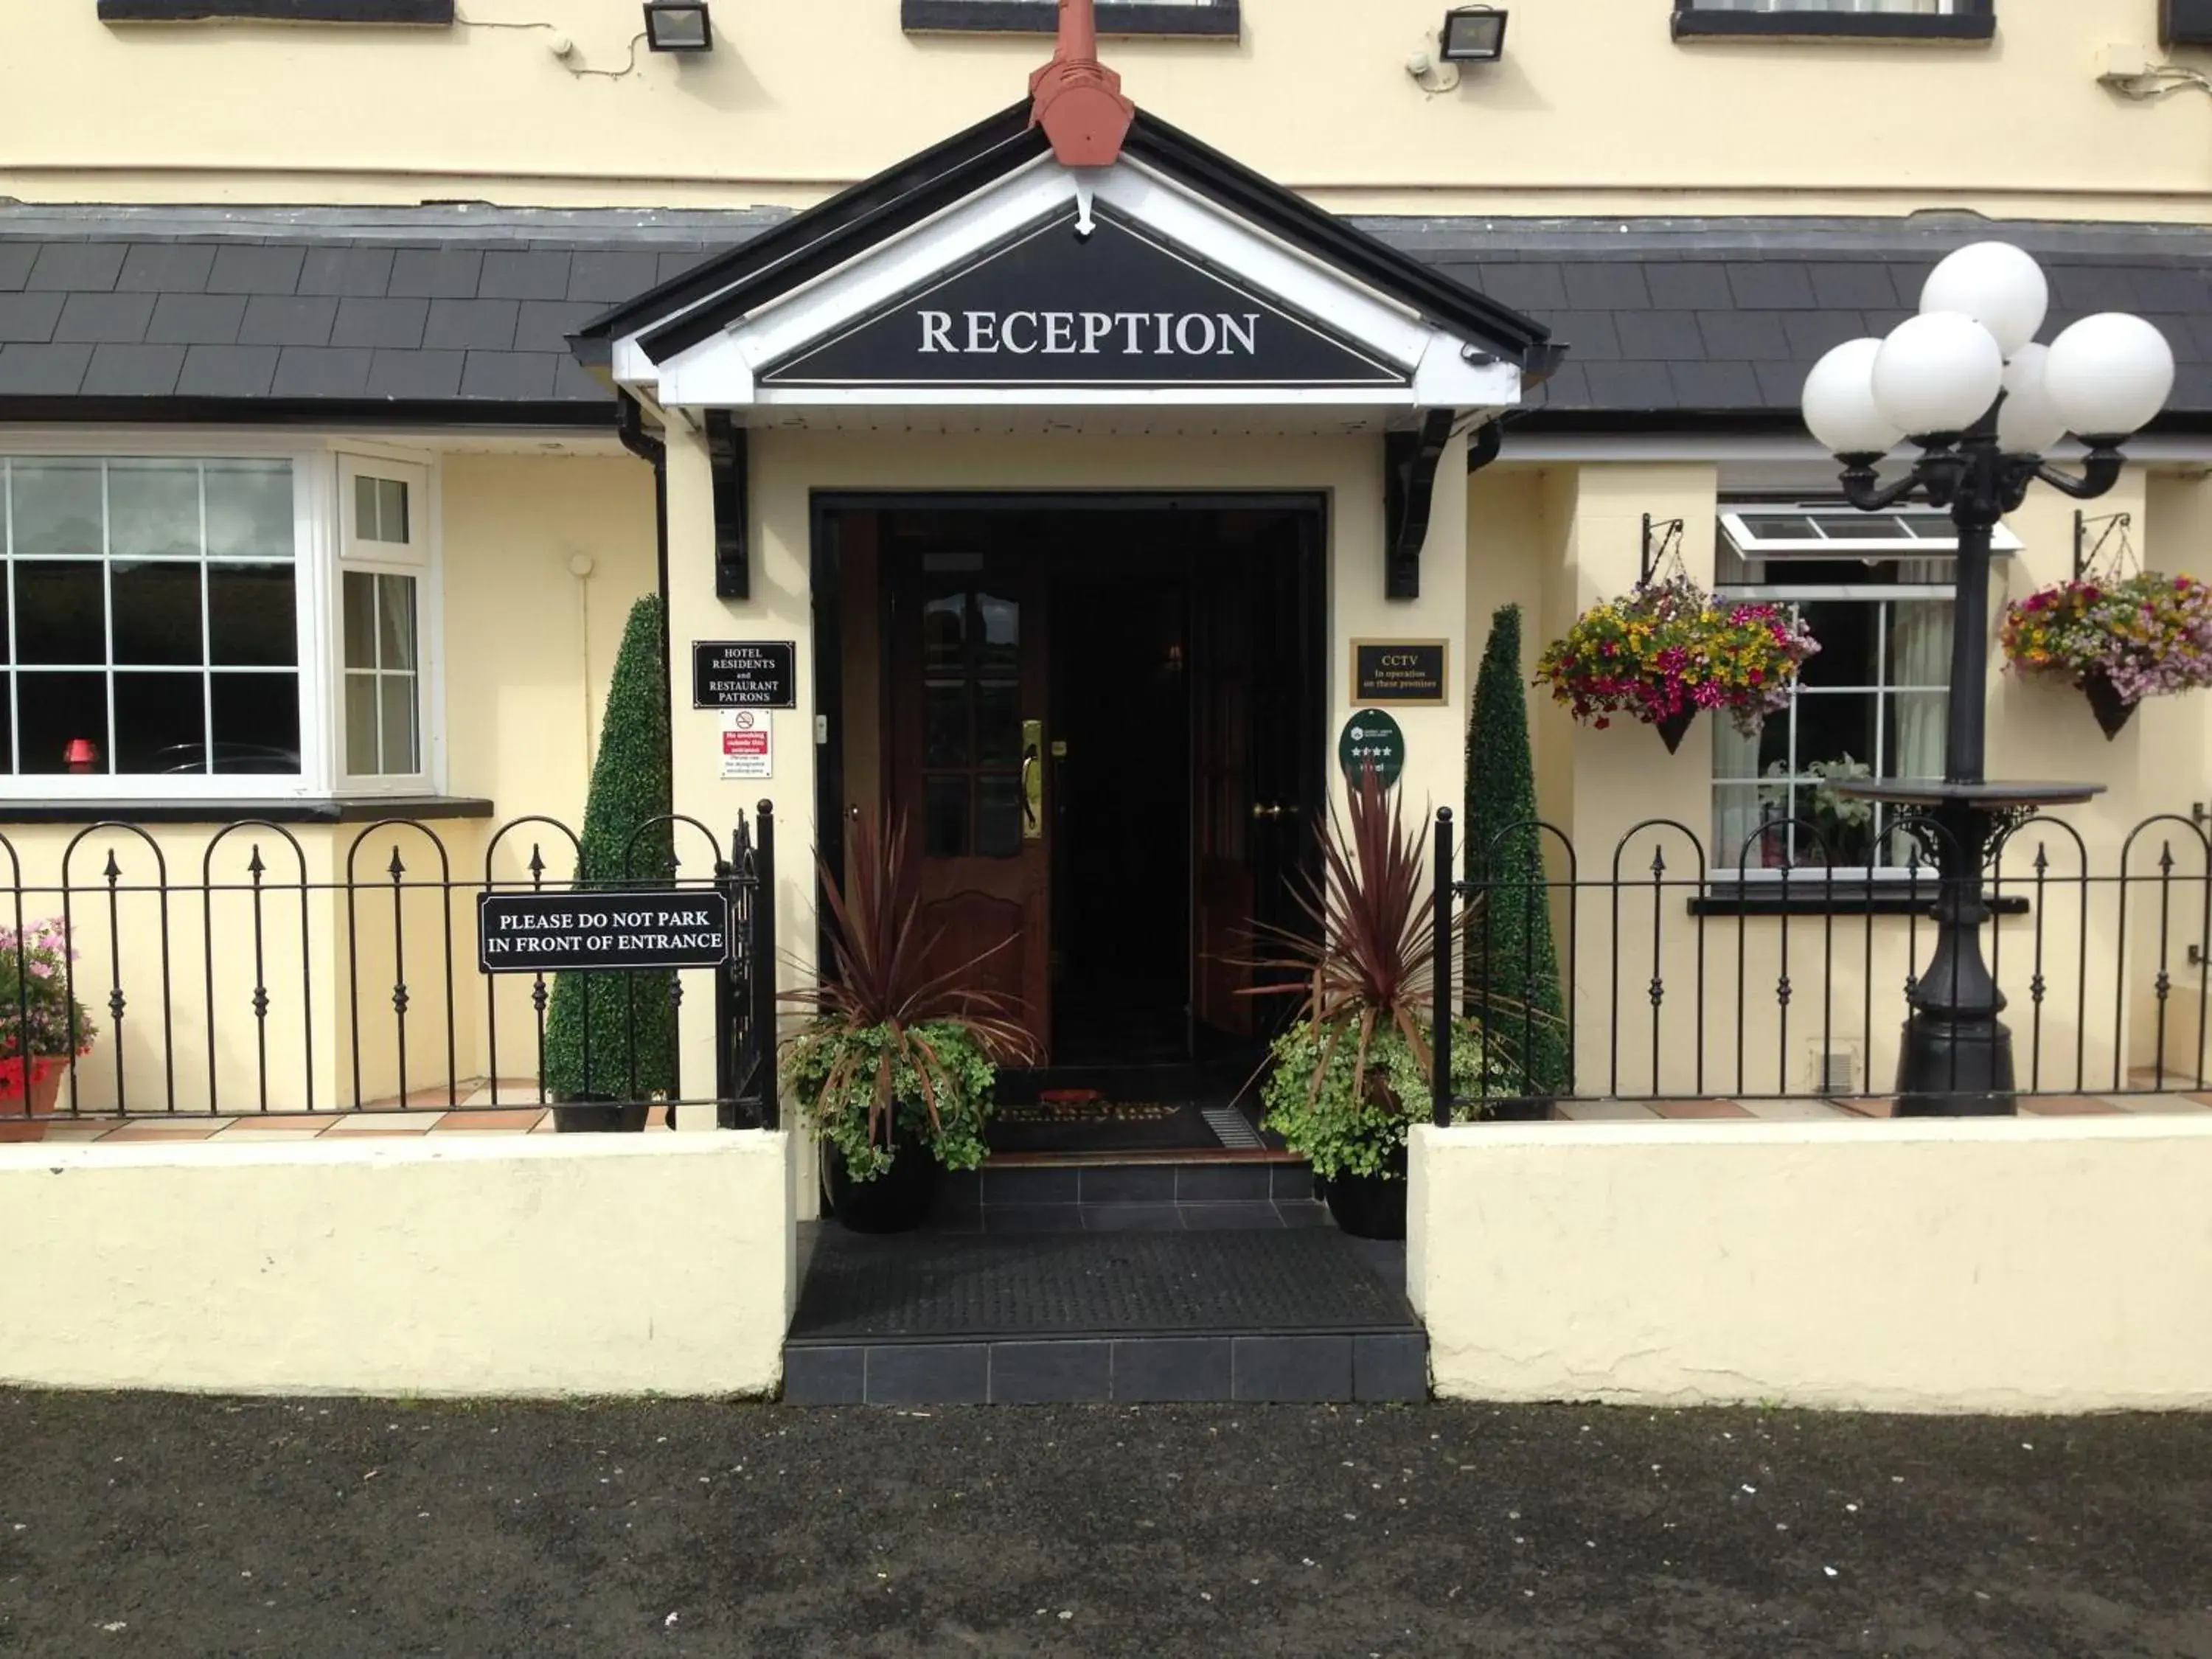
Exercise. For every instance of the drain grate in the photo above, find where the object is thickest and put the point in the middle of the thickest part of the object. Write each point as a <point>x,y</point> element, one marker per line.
<point>1232,1128</point>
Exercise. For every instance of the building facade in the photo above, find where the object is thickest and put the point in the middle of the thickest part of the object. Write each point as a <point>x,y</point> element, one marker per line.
<point>362,361</point>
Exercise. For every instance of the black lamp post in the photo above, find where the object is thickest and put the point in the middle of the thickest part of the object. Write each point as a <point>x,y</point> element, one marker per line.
<point>1983,403</point>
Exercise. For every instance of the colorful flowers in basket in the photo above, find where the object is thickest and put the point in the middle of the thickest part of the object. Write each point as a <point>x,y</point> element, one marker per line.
<point>1671,648</point>
<point>2145,636</point>
<point>41,1025</point>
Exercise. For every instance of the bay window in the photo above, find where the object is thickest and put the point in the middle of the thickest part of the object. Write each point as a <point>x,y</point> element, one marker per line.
<point>214,626</point>
<point>1876,590</point>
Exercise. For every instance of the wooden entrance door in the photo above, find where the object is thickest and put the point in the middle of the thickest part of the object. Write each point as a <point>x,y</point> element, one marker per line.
<point>1258,689</point>
<point>966,704</point>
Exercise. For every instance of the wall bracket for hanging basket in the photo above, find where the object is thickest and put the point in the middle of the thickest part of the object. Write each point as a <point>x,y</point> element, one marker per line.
<point>2112,712</point>
<point>1657,554</point>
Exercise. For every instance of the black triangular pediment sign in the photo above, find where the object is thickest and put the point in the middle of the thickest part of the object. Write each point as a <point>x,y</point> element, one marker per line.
<point>1116,308</point>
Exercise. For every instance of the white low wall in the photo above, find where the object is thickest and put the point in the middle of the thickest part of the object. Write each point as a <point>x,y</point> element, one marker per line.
<point>445,1265</point>
<point>2031,1265</point>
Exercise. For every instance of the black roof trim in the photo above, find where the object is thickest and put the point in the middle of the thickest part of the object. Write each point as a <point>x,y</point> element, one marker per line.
<point>572,414</point>
<point>826,236</point>
<point>997,143</point>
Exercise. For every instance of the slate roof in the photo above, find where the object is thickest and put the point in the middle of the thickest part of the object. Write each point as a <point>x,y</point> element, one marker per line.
<point>463,313</point>
<point>447,314</point>
<point>1718,320</point>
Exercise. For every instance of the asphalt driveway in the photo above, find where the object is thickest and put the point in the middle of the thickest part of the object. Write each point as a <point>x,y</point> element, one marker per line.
<point>318,1529</point>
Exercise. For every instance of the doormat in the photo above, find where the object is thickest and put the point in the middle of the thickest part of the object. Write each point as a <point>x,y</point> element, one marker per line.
<point>1101,1124</point>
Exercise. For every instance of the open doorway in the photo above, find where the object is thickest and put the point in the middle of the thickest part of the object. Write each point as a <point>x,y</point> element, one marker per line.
<point>1103,721</point>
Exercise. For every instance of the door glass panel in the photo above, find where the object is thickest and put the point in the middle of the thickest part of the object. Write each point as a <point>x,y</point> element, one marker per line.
<point>998,815</point>
<point>945,817</point>
<point>998,724</point>
<point>945,723</point>
<point>945,634</point>
<point>1001,651</point>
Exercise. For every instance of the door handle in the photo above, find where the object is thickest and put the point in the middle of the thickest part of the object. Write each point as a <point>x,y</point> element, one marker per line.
<point>1032,781</point>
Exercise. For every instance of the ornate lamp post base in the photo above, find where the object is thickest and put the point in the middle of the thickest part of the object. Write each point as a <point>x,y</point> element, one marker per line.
<point>1956,1057</point>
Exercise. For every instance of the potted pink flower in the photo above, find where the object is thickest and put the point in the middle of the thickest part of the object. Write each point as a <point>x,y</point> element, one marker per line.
<point>2145,636</point>
<point>42,1027</point>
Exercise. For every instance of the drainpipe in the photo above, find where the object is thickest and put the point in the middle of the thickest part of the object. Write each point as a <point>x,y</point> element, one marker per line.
<point>629,427</point>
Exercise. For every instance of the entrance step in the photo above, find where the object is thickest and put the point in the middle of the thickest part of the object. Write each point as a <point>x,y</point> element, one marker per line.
<point>1078,1192</point>
<point>944,1318</point>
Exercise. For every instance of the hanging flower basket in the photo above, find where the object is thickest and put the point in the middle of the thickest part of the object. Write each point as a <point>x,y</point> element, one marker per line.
<point>1670,649</point>
<point>2119,642</point>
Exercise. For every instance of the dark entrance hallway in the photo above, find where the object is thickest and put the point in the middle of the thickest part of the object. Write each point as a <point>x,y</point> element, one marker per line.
<point>1104,716</point>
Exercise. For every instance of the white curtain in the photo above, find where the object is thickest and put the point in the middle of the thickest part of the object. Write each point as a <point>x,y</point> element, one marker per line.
<point>1919,654</point>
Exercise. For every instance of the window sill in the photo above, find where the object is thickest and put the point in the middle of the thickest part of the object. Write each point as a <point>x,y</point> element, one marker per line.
<point>1693,25</point>
<point>431,12</point>
<point>1810,894</point>
<point>354,810</point>
<point>1218,20</point>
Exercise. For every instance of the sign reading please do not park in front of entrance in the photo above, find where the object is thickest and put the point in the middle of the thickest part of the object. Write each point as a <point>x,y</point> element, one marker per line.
<point>550,933</point>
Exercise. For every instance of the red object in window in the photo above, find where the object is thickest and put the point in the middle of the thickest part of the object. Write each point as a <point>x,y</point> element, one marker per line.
<point>1078,99</point>
<point>82,755</point>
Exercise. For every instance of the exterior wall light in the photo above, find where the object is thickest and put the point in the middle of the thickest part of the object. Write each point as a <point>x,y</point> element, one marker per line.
<point>1981,402</point>
<point>679,25</point>
<point>1474,34</point>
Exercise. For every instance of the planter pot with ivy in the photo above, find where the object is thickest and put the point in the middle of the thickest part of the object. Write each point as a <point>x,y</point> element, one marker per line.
<point>895,1068</point>
<point>2118,641</point>
<point>1350,1076</point>
<point>1670,649</point>
<point>42,1028</point>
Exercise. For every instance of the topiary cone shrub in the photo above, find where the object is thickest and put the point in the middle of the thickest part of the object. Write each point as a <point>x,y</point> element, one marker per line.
<point>1511,960</point>
<point>624,1023</point>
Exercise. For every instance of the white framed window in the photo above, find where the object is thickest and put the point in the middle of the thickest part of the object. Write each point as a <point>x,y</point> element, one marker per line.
<point>1876,590</point>
<point>383,564</point>
<point>174,619</point>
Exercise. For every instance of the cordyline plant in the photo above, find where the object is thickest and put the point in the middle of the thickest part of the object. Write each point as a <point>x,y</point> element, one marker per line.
<point>2147,635</point>
<point>1672,648</point>
<point>1354,1067</point>
<point>892,1038</point>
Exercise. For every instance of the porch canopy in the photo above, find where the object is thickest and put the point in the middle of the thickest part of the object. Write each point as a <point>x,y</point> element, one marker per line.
<point>1071,252</point>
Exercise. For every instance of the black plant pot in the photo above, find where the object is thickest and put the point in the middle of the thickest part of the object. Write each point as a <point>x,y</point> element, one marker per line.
<point>2106,704</point>
<point>1674,728</point>
<point>897,1201</point>
<point>599,1115</point>
<point>1369,1207</point>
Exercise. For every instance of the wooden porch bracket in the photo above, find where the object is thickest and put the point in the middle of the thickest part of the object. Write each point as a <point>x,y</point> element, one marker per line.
<point>1409,486</point>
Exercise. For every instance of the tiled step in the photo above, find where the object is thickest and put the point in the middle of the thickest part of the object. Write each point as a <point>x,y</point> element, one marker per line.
<point>1033,1196</point>
<point>938,1318</point>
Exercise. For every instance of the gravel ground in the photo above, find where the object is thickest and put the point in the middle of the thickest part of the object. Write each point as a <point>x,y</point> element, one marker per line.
<point>318,1530</point>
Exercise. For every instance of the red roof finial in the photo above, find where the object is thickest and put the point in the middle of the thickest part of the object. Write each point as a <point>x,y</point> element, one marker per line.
<point>1078,100</point>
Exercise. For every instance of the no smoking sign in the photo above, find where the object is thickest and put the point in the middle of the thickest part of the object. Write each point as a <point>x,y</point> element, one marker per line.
<point>747,744</point>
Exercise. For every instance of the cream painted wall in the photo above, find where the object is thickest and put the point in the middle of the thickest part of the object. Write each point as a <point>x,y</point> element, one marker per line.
<point>2052,1265</point>
<point>530,645</point>
<point>521,1265</point>
<point>1594,109</point>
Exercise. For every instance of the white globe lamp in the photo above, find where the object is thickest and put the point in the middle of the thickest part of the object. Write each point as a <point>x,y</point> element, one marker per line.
<point>2108,374</point>
<point>1840,406</point>
<point>1937,373</point>
<point>2026,423</point>
<point>1997,285</point>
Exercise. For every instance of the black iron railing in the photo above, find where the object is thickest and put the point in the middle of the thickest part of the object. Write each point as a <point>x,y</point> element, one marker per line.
<point>1685,977</point>
<point>283,975</point>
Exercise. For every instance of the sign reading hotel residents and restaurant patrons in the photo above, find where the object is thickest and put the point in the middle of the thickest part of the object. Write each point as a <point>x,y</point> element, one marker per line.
<point>744,674</point>
<point>1401,670</point>
<point>549,933</point>
<point>1113,308</point>
<point>1372,738</point>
